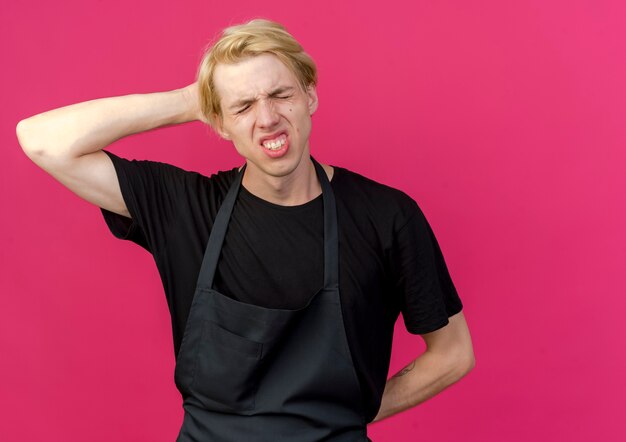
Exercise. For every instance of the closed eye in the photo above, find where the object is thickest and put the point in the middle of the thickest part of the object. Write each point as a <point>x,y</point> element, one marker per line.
<point>282,97</point>
<point>242,110</point>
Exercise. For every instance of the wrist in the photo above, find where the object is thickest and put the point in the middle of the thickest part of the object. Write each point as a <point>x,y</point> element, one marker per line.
<point>191,103</point>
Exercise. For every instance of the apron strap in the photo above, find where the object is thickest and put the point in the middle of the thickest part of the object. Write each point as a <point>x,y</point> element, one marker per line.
<point>220,225</point>
<point>218,233</point>
<point>331,237</point>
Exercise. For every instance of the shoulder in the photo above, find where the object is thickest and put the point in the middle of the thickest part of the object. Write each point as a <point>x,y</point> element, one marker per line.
<point>219,181</point>
<point>170,175</point>
<point>357,190</point>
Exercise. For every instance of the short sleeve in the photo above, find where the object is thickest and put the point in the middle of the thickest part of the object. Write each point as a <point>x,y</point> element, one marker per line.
<point>422,282</point>
<point>150,190</point>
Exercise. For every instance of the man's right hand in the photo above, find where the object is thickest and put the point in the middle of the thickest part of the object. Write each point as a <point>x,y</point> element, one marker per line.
<point>192,95</point>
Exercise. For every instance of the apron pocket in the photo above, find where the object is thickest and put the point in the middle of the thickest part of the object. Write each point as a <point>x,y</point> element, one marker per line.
<point>227,369</point>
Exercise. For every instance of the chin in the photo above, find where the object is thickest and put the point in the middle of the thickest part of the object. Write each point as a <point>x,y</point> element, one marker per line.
<point>280,170</point>
<point>279,167</point>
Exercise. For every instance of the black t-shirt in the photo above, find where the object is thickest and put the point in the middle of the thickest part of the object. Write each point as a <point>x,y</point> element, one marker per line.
<point>389,259</point>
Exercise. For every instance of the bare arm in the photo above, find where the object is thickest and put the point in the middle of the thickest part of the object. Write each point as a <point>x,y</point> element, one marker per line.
<point>67,142</point>
<point>449,356</point>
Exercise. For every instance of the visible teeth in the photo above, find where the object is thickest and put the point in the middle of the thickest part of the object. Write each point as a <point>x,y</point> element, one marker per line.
<point>275,144</point>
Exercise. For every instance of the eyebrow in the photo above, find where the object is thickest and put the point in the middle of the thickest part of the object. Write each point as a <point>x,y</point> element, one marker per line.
<point>245,101</point>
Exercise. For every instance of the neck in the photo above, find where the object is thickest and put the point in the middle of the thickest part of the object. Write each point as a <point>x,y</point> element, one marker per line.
<point>299,187</point>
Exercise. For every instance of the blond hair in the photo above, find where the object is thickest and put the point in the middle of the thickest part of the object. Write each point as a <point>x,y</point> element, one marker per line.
<point>258,36</point>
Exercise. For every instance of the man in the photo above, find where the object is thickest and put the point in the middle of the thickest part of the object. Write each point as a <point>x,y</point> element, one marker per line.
<point>284,277</point>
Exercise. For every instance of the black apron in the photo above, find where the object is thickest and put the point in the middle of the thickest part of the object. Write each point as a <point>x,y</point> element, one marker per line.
<point>250,373</point>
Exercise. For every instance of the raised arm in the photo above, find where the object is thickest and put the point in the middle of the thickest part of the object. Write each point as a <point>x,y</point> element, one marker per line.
<point>67,142</point>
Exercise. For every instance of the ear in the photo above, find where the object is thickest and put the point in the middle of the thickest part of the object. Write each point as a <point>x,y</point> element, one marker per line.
<point>312,98</point>
<point>219,128</point>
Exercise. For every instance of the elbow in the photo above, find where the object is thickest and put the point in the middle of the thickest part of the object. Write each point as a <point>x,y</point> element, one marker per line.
<point>470,363</point>
<point>20,132</point>
<point>459,360</point>
<point>39,145</point>
<point>25,138</point>
<point>464,363</point>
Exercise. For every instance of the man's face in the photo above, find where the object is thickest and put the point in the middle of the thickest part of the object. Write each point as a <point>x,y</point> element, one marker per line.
<point>266,115</point>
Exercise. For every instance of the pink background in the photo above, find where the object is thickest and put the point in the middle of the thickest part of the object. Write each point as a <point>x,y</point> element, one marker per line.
<point>504,120</point>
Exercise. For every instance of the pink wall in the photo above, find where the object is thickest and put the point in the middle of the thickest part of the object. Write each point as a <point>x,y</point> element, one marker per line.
<point>504,120</point>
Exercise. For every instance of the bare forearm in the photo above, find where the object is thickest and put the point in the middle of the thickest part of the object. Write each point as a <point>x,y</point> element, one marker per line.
<point>86,127</point>
<point>422,379</point>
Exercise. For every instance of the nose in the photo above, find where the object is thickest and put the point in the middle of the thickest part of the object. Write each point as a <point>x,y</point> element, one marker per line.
<point>267,115</point>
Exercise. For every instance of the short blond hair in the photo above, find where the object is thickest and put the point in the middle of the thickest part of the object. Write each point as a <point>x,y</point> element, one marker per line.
<point>256,37</point>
